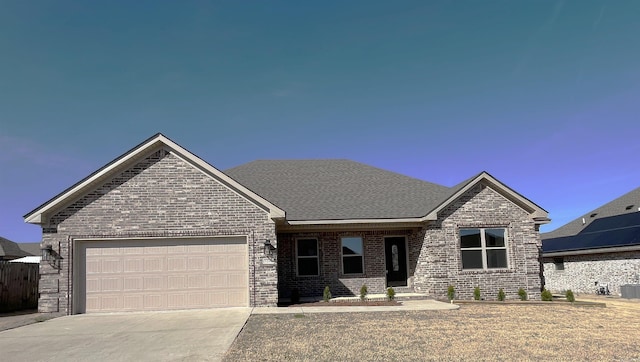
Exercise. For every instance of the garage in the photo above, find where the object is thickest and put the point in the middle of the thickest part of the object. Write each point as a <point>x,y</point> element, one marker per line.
<point>161,274</point>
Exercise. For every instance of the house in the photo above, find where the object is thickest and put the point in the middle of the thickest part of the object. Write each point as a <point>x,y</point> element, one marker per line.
<point>10,250</point>
<point>159,228</point>
<point>602,246</point>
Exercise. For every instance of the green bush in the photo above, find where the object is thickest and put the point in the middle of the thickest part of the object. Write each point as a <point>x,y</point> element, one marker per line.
<point>476,293</point>
<point>326,295</point>
<point>391,294</point>
<point>501,295</point>
<point>451,293</point>
<point>546,296</point>
<point>363,292</point>
<point>522,294</point>
<point>569,295</point>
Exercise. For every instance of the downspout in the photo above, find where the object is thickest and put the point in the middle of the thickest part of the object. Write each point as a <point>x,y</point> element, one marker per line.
<point>253,255</point>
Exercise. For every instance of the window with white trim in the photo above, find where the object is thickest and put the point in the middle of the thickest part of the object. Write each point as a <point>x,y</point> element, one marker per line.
<point>352,255</point>
<point>307,257</point>
<point>483,248</point>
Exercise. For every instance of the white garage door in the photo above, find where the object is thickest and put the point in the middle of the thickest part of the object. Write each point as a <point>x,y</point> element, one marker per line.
<point>137,275</point>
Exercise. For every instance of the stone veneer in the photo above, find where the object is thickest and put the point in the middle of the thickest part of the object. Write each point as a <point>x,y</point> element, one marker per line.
<point>160,196</point>
<point>582,271</point>
<point>434,254</point>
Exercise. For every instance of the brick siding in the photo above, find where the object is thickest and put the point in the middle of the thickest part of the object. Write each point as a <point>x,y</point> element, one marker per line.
<point>582,271</point>
<point>434,254</point>
<point>160,196</point>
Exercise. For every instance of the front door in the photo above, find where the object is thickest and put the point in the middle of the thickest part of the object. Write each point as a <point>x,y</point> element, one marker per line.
<point>396,260</point>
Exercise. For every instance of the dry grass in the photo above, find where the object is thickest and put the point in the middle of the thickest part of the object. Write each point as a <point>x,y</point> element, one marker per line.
<point>474,332</point>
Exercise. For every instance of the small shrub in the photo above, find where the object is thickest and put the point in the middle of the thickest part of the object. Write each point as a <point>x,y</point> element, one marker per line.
<point>326,295</point>
<point>363,292</point>
<point>522,294</point>
<point>391,294</point>
<point>569,295</point>
<point>501,295</point>
<point>476,293</point>
<point>451,293</point>
<point>546,296</point>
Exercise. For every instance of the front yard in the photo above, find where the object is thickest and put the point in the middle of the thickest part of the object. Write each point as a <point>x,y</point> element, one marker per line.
<point>474,332</point>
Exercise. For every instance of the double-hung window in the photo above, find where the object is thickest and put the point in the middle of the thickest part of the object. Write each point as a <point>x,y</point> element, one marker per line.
<point>307,257</point>
<point>352,255</point>
<point>483,248</point>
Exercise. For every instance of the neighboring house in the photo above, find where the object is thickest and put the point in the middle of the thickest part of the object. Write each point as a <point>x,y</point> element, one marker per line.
<point>30,248</point>
<point>10,250</point>
<point>159,228</point>
<point>602,246</point>
<point>27,260</point>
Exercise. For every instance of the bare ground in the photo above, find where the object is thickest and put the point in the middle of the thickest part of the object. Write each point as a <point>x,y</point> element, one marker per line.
<point>558,331</point>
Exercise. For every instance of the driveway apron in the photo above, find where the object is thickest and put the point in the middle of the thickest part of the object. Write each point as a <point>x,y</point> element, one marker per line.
<point>190,335</point>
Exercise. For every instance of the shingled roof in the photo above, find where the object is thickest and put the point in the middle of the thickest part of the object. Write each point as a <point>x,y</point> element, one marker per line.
<point>613,225</point>
<point>339,189</point>
<point>10,250</point>
<point>625,204</point>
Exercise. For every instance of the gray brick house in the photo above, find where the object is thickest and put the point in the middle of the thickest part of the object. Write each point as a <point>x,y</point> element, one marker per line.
<point>601,246</point>
<point>159,228</point>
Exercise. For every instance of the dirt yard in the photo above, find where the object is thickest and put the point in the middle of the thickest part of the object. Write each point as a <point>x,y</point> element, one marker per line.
<point>474,332</point>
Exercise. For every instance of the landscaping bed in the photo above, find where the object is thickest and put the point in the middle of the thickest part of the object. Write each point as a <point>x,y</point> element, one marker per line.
<point>348,303</point>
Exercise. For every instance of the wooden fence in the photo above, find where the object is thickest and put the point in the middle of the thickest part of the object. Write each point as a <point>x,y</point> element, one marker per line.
<point>18,286</point>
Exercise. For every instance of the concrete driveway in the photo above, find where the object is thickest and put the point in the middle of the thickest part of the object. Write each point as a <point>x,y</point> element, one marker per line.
<point>193,335</point>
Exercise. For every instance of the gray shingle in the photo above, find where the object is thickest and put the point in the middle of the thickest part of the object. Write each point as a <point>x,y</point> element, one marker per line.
<point>338,189</point>
<point>613,208</point>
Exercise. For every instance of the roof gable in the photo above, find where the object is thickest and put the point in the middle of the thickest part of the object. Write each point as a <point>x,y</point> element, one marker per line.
<point>142,150</point>
<point>538,214</point>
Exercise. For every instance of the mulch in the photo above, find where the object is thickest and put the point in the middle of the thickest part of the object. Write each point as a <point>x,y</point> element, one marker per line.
<point>346,303</point>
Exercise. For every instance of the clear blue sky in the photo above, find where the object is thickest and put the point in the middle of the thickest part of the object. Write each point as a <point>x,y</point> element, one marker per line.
<point>544,95</point>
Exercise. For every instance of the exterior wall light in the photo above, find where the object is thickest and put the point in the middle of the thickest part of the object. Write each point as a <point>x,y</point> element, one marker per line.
<point>50,256</point>
<point>269,249</point>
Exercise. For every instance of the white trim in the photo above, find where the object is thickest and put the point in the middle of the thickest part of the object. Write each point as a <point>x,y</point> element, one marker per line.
<point>615,249</point>
<point>317,257</point>
<point>539,215</point>
<point>342,256</point>
<point>357,221</point>
<point>36,216</point>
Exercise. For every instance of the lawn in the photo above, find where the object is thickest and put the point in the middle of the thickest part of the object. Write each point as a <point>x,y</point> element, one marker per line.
<point>474,332</point>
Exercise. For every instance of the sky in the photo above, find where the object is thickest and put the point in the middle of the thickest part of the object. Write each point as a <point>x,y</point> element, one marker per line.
<point>543,95</point>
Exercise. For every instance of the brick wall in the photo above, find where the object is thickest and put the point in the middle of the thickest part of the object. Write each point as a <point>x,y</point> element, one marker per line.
<point>160,196</point>
<point>440,265</point>
<point>434,254</point>
<point>582,271</point>
<point>331,265</point>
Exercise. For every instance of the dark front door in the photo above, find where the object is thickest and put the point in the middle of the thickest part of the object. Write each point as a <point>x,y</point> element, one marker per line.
<point>396,259</point>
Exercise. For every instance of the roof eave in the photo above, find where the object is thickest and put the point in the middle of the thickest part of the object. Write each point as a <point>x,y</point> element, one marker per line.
<point>360,221</point>
<point>539,215</point>
<point>613,249</point>
<point>38,216</point>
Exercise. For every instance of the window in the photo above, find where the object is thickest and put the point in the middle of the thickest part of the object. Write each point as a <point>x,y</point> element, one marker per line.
<point>559,263</point>
<point>307,257</point>
<point>483,248</point>
<point>352,260</point>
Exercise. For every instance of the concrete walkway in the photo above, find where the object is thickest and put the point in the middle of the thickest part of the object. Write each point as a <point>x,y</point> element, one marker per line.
<point>407,305</point>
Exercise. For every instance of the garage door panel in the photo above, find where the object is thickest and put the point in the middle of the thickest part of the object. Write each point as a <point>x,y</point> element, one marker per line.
<point>158,274</point>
